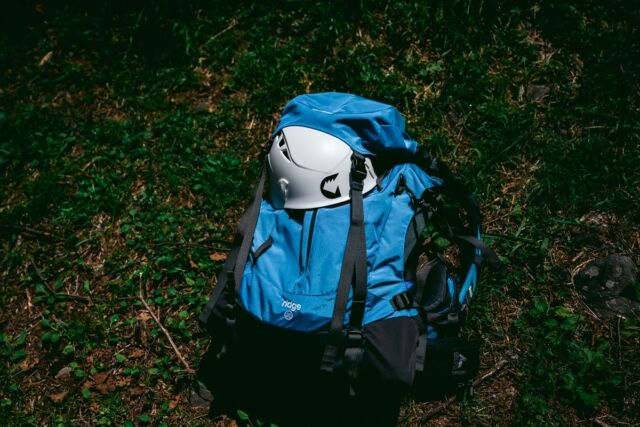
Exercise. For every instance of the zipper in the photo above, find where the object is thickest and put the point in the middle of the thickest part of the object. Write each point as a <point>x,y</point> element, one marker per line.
<point>312,227</point>
<point>307,231</point>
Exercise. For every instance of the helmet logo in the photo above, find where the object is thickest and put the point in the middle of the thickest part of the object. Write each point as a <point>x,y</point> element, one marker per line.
<point>329,187</point>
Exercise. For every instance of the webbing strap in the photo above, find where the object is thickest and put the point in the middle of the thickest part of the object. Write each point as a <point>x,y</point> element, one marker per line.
<point>247,227</point>
<point>414,295</point>
<point>451,186</point>
<point>230,277</point>
<point>421,352</point>
<point>353,272</point>
<point>422,275</point>
<point>486,253</point>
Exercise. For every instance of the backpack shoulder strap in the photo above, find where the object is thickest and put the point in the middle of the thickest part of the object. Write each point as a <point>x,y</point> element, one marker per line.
<point>353,275</point>
<point>230,277</point>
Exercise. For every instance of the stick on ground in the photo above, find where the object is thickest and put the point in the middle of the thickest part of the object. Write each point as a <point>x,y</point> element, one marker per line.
<point>51,291</point>
<point>166,333</point>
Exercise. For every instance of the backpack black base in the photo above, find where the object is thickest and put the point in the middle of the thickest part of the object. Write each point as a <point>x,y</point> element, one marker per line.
<point>272,374</point>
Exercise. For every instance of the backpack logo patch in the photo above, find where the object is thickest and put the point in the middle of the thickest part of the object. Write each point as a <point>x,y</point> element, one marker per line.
<point>329,187</point>
<point>291,307</point>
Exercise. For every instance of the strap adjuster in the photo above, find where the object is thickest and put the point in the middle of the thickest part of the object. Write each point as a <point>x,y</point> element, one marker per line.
<point>354,338</point>
<point>402,301</point>
<point>358,168</point>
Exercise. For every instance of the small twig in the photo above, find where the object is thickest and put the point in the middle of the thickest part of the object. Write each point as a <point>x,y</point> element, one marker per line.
<point>507,237</point>
<point>29,303</point>
<point>614,419</point>
<point>475,383</point>
<point>166,333</point>
<point>233,23</point>
<point>28,231</point>
<point>117,270</point>
<point>570,222</point>
<point>619,344</point>
<point>192,245</point>
<point>575,292</point>
<point>601,423</point>
<point>51,291</point>
<point>210,243</point>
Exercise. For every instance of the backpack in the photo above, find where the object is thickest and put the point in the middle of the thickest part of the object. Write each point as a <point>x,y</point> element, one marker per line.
<point>346,306</point>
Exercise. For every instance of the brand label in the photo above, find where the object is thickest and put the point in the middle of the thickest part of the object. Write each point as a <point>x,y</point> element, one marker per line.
<point>291,306</point>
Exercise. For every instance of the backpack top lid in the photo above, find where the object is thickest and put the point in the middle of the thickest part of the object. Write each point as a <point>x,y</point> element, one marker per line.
<point>368,127</point>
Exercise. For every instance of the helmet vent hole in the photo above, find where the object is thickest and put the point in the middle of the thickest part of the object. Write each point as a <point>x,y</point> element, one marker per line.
<point>285,153</point>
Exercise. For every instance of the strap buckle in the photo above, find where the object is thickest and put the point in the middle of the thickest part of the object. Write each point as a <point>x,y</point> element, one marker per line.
<point>431,200</point>
<point>329,358</point>
<point>353,355</point>
<point>354,338</point>
<point>402,301</point>
<point>358,169</point>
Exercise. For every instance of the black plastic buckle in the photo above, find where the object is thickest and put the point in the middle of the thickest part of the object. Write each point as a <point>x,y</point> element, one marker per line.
<point>354,338</point>
<point>329,358</point>
<point>402,301</point>
<point>453,319</point>
<point>358,168</point>
<point>431,200</point>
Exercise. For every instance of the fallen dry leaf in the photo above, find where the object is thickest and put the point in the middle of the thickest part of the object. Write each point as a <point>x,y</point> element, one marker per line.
<point>58,397</point>
<point>46,58</point>
<point>173,403</point>
<point>137,391</point>
<point>123,382</point>
<point>137,353</point>
<point>218,256</point>
<point>63,373</point>
<point>100,377</point>
<point>27,364</point>
<point>106,387</point>
<point>101,382</point>
<point>193,264</point>
<point>144,316</point>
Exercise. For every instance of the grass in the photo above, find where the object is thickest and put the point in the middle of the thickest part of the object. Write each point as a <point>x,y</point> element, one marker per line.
<point>129,134</point>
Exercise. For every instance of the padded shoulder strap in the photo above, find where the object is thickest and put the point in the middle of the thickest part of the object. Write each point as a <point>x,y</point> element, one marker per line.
<point>230,277</point>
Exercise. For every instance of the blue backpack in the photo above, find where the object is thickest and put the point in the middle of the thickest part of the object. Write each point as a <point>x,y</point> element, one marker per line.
<point>354,287</point>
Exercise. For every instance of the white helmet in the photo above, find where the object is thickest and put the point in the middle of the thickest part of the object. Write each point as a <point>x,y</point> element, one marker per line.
<point>310,169</point>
